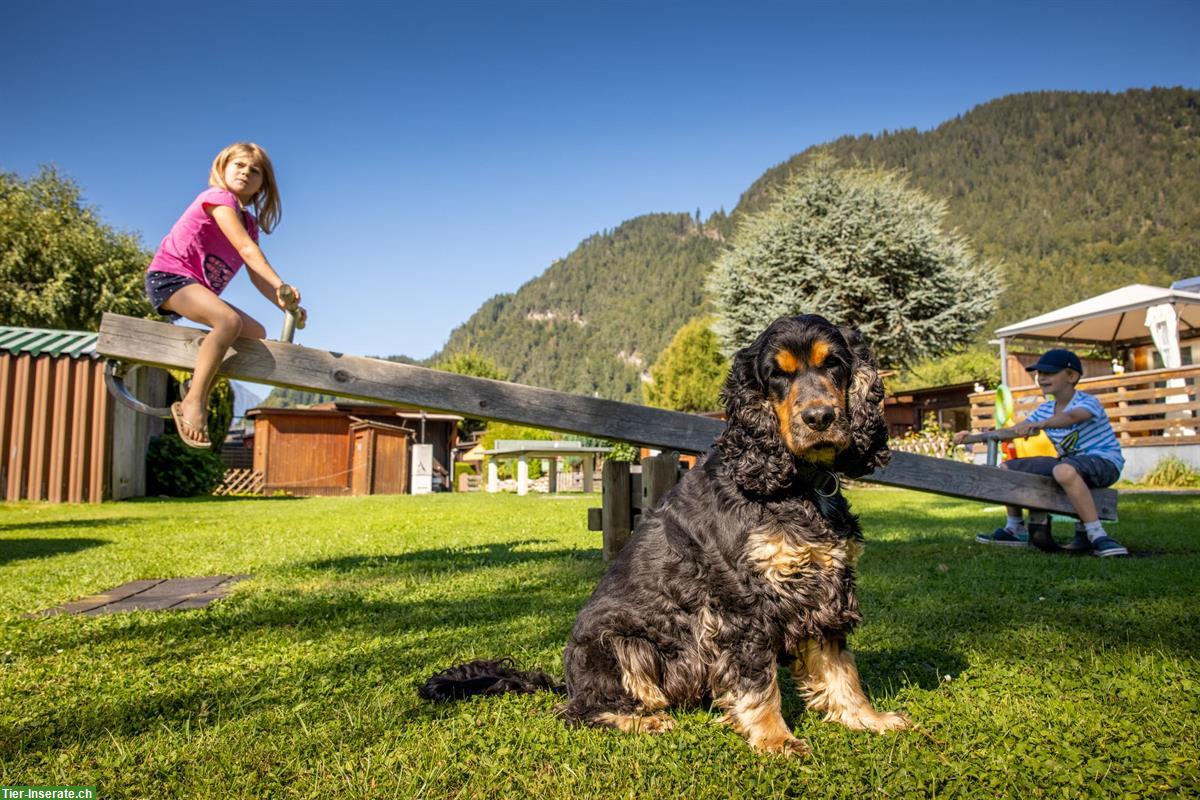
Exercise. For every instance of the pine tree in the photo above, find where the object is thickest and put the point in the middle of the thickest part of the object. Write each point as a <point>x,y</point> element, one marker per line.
<point>689,373</point>
<point>862,248</point>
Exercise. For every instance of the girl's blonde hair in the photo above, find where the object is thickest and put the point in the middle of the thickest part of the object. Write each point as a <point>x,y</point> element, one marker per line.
<point>267,207</point>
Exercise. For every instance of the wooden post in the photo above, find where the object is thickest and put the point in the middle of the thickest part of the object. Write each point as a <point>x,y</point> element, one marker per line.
<point>552,474</point>
<point>493,484</point>
<point>1122,420</point>
<point>617,511</point>
<point>659,474</point>
<point>589,473</point>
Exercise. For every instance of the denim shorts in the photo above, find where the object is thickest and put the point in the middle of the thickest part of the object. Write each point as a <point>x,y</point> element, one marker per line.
<point>161,285</point>
<point>1096,472</point>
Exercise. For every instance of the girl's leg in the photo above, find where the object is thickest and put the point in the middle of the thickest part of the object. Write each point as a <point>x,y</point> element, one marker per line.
<point>251,328</point>
<point>199,304</point>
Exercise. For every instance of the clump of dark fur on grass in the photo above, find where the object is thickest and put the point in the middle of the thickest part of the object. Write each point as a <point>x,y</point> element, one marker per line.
<point>486,677</point>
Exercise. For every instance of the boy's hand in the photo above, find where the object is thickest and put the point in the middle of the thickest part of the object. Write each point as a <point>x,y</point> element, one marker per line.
<point>1025,429</point>
<point>960,436</point>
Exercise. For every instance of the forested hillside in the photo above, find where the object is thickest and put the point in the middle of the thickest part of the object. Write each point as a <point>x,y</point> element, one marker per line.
<point>594,321</point>
<point>1069,193</point>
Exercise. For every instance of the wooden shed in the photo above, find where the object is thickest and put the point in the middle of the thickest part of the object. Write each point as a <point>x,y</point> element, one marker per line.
<point>62,437</point>
<point>344,448</point>
<point>382,450</point>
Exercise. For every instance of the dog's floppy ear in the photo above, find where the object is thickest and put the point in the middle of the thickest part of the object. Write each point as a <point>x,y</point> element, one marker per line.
<point>868,447</point>
<point>750,446</point>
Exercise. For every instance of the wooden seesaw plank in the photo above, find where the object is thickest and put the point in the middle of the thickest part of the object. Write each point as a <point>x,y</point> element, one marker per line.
<point>294,366</point>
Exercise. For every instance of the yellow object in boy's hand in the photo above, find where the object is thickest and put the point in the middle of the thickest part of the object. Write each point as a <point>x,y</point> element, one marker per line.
<point>1036,445</point>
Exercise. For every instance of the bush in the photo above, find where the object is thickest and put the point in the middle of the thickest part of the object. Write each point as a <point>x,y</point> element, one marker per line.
<point>931,440</point>
<point>176,470</point>
<point>624,451</point>
<point>1171,471</point>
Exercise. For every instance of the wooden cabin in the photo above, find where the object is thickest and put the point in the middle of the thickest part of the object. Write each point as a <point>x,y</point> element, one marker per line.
<point>347,448</point>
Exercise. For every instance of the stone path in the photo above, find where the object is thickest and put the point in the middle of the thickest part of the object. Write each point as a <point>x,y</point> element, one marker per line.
<point>155,594</point>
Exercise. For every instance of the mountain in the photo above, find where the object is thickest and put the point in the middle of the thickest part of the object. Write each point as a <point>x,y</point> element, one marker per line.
<point>1069,193</point>
<point>243,399</point>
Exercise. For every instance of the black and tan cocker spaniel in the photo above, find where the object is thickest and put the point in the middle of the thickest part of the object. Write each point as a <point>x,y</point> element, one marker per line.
<point>746,565</point>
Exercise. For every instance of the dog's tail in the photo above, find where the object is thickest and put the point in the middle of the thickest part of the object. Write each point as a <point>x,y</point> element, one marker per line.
<point>486,677</point>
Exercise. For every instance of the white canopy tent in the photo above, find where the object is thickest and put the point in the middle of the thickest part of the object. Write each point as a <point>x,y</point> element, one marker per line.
<point>1130,315</point>
<point>1114,317</point>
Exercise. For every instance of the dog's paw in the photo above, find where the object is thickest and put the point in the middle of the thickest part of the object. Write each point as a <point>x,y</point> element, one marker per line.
<point>655,723</point>
<point>868,719</point>
<point>890,721</point>
<point>784,746</point>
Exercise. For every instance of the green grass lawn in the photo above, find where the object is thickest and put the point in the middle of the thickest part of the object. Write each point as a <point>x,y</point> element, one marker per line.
<point>1027,675</point>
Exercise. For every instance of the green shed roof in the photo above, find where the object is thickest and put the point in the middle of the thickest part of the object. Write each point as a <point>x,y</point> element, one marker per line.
<point>39,341</point>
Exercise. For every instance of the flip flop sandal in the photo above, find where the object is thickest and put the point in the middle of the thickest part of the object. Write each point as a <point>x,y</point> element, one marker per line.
<point>186,430</point>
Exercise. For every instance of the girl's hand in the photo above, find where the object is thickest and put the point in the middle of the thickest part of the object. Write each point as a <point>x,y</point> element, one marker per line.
<point>287,296</point>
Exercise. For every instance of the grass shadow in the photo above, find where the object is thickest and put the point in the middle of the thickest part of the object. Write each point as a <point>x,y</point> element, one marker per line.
<point>107,522</point>
<point>213,499</point>
<point>19,549</point>
<point>455,559</point>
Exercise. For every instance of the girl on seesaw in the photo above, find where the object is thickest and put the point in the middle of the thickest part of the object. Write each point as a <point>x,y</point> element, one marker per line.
<point>197,259</point>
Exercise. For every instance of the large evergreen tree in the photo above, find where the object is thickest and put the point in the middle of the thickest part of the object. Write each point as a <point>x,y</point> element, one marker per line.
<point>60,266</point>
<point>689,373</point>
<point>864,249</point>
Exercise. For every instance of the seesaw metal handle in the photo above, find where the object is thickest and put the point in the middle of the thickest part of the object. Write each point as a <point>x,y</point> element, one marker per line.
<point>291,314</point>
<point>114,379</point>
<point>992,439</point>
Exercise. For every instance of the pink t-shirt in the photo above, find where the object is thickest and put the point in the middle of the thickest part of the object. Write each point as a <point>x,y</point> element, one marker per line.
<point>197,248</point>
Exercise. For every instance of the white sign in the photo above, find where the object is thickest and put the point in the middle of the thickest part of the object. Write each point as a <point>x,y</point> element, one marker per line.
<point>422,468</point>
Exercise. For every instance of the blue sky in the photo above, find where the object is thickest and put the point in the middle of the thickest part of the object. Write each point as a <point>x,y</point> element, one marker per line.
<point>431,155</point>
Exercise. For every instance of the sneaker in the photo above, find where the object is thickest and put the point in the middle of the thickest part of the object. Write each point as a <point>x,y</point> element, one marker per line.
<point>1041,538</point>
<point>1003,536</point>
<point>1080,545</point>
<point>1107,546</point>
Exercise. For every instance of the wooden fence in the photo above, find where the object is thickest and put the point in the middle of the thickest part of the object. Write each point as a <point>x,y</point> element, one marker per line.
<point>240,482</point>
<point>1153,407</point>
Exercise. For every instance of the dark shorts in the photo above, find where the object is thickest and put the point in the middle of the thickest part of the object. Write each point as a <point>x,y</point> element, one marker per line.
<point>1096,472</point>
<point>161,285</point>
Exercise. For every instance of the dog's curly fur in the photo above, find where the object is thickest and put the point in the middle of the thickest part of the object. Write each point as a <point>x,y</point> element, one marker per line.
<point>747,564</point>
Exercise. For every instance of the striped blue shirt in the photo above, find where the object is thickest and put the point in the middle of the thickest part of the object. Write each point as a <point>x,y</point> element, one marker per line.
<point>1092,437</point>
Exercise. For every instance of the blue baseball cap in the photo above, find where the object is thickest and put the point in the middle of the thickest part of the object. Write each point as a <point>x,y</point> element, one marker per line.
<point>1056,361</point>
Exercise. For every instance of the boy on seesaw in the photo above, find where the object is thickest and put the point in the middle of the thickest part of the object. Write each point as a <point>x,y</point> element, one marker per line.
<point>1089,457</point>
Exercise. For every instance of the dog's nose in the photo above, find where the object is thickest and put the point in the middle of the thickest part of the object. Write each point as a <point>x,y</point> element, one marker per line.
<point>817,417</point>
